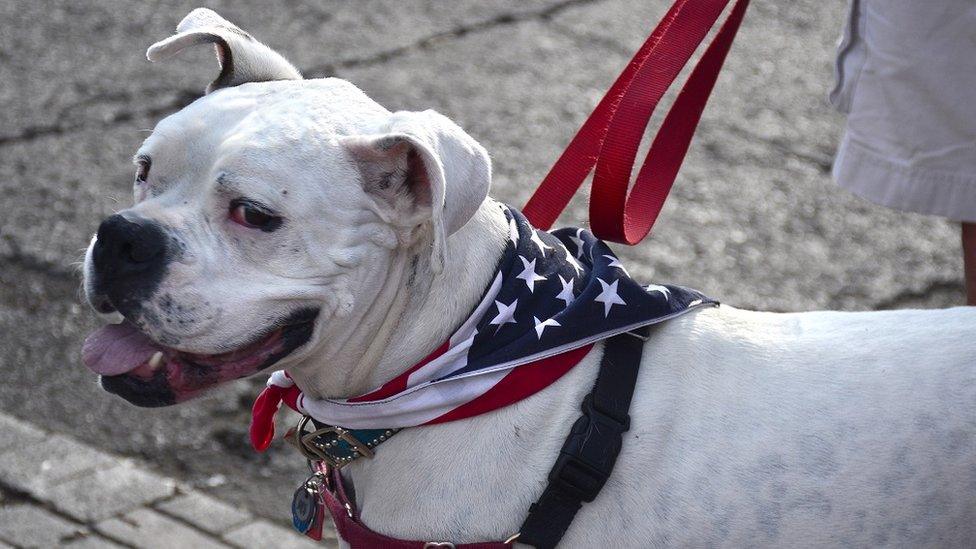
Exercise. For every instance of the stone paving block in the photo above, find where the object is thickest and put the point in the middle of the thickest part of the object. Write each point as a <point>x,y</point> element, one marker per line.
<point>204,512</point>
<point>262,534</point>
<point>107,492</point>
<point>16,433</point>
<point>32,526</point>
<point>35,466</point>
<point>150,529</point>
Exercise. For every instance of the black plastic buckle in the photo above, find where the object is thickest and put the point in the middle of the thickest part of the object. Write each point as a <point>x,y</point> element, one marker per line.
<point>589,453</point>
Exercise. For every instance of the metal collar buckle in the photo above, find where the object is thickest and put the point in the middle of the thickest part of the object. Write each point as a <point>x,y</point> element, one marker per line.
<point>310,445</point>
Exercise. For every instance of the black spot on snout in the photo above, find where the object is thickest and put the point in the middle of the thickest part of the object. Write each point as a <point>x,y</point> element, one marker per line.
<point>130,258</point>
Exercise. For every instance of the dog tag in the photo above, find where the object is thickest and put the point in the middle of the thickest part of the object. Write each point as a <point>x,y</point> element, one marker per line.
<point>308,509</point>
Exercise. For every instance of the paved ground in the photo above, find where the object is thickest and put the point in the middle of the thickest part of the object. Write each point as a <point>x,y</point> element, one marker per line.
<point>754,219</point>
<point>55,491</point>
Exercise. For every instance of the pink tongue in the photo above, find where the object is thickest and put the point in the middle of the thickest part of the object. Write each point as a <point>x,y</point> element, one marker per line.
<point>116,349</point>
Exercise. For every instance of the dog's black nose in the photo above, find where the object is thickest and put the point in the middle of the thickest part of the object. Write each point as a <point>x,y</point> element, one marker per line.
<point>129,257</point>
<point>125,246</point>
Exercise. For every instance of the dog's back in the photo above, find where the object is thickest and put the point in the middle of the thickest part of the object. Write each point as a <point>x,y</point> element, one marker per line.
<point>844,429</point>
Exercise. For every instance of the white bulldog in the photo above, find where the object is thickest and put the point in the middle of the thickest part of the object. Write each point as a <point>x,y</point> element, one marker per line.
<point>297,223</point>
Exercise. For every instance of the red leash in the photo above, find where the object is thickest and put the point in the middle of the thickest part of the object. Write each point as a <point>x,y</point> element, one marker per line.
<point>611,135</point>
<point>608,140</point>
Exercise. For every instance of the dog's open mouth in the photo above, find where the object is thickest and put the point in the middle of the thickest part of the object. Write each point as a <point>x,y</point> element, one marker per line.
<point>146,373</point>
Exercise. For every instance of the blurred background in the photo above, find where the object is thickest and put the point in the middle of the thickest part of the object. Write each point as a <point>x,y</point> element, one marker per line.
<point>754,219</point>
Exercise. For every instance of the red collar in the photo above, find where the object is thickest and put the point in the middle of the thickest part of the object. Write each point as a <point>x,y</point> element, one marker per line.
<point>351,529</point>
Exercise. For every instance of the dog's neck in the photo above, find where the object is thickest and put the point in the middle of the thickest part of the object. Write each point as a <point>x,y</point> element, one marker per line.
<point>415,311</point>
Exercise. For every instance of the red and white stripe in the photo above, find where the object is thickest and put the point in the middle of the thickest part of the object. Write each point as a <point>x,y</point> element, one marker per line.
<point>415,397</point>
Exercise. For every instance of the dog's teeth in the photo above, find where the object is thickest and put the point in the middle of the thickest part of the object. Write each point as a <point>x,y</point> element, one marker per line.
<point>156,360</point>
<point>114,317</point>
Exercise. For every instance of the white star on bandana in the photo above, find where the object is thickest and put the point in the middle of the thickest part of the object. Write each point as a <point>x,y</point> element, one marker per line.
<point>579,243</point>
<point>656,288</point>
<point>614,262</point>
<point>608,296</point>
<point>513,232</point>
<point>566,294</point>
<point>539,243</point>
<point>528,274</point>
<point>540,326</point>
<point>506,314</point>
<point>572,261</point>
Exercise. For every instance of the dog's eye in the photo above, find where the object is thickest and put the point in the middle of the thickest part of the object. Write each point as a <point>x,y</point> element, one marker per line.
<point>251,215</point>
<point>142,168</point>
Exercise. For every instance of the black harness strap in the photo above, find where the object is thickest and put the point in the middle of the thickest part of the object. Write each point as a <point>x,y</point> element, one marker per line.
<point>591,449</point>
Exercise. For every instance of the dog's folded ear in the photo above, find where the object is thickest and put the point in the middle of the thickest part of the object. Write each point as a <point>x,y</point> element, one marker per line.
<point>424,168</point>
<point>242,58</point>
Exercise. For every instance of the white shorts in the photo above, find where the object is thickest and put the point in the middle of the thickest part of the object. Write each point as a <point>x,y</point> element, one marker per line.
<point>906,77</point>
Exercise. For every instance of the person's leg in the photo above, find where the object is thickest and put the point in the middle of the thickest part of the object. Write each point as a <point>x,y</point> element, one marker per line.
<point>969,260</point>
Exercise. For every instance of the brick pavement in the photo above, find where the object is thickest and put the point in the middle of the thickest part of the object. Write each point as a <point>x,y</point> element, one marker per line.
<point>57,491</point>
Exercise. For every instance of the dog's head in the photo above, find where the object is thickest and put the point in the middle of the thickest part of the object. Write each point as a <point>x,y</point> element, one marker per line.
<point>266,216</point>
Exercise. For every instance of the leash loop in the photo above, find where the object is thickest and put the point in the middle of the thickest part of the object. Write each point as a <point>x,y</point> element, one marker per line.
<point>611,136</point>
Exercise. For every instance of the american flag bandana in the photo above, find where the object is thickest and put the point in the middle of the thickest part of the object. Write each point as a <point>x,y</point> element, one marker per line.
<point>553,296</point>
